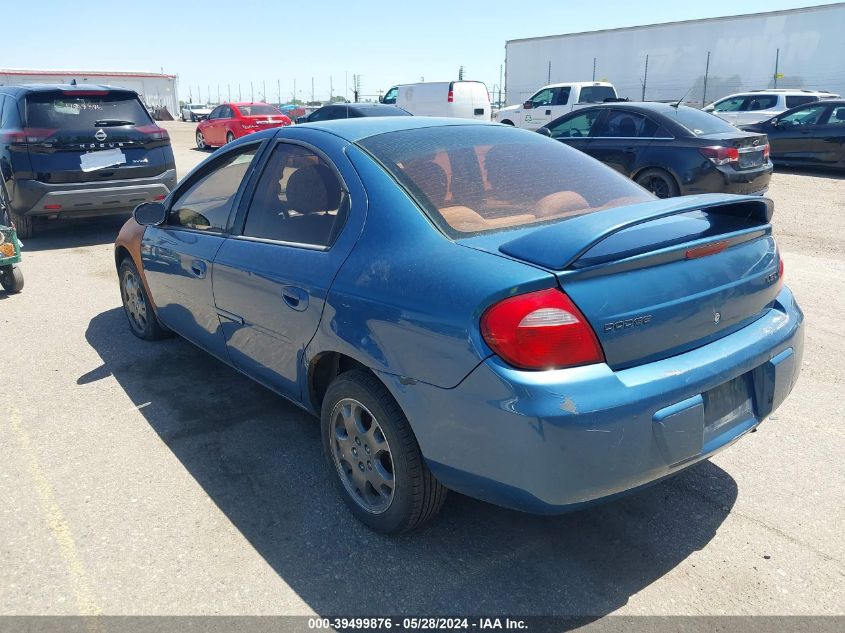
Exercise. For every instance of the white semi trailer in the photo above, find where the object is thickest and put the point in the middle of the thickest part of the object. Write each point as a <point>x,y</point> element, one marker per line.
<point>699,60</point>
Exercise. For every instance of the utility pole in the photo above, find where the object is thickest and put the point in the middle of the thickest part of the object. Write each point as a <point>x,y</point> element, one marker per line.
<point>208,93</point>
<point>645,78</point>
<point>279,90</point>
<point>461,73</point>
<point>550,73</point>
<point>346,85</point>
<point>229,91</point>
<point>199,94</point>
<point>594,68</point>
<point>706,74</point>
<point>500,85</point>
<point>251,93</point>
<point>331,88</point>
<point>294,92</point>
<point>312,90</point>
<point>218,94</point>
<point>239,93</point>
<point>777,60</point>
<point>263,90</point>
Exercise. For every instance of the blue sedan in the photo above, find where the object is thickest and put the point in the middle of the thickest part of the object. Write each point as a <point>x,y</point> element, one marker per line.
<point>470,306</point>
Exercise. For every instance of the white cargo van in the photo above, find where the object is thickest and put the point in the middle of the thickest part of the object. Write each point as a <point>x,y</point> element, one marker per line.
<point>460,99</point>
<point>555,100</point>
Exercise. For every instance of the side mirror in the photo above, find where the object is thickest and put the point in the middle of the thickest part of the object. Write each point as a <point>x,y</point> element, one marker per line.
<point>707,108</point>
<point>545,131</point>
<point>381,98</point>
<point>528,105</point>
<point>776,122</point>
<point>150,213</point>
<point>301,119</point>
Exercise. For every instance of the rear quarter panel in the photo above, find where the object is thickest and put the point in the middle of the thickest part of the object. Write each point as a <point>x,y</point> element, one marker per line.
<point>408,300</point>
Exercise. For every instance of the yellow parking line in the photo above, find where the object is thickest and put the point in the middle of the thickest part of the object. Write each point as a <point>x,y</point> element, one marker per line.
<point>55,520</point>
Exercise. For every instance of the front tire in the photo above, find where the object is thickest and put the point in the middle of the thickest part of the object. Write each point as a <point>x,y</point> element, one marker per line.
<point>659,182</point>
<point>23,226</point>
<point>136,304</point>
<point>11,278</point>
<point>374,456</point>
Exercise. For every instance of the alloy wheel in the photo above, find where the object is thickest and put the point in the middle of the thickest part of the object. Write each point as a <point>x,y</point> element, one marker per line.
<point>133,299</point>
<point>361,454</point>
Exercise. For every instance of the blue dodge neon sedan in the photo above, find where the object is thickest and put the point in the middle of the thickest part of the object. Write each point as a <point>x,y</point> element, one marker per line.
<point>472,307</point>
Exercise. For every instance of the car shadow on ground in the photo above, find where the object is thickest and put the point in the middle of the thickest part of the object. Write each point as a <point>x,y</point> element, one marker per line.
<point>816,172</point>
<point>51,235</point>
<point>260,461</point>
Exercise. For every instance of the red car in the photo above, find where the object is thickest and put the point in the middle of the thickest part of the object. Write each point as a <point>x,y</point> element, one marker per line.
<point>229,121</point>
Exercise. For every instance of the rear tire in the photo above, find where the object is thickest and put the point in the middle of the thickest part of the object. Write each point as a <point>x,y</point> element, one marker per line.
<point>23,225</point>
<point>136,304</point>
<point>659,182</point>
<point>374,457</point>
<point>201,144</point>
<point>11,278</point>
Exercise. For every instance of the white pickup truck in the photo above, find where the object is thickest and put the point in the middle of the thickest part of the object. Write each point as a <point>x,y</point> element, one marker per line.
<point>553,101</point>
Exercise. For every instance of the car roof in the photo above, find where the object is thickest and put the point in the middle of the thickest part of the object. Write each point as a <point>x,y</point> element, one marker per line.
<point>654,107</point>
<point>32,88</point>
<point>789,92</point>
<point>354,130</point>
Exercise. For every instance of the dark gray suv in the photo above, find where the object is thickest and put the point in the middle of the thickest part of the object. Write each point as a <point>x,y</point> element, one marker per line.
<point>69,151</point>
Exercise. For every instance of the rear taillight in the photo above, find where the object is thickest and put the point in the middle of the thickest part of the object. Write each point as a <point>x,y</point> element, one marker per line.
<point>26,135</point>
<point>540,330</point>
<point>451,97</point>
<point>154,132</point>
<point>766,150</point>
<point>719,155</point>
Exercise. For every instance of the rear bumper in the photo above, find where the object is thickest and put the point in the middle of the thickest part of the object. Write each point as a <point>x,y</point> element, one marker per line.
<point>32,197</point>
<point>551,441</point>
<point>724,179</point>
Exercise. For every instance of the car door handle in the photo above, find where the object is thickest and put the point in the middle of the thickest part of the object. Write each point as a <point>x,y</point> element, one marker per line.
<point>295,298</point>
<point>199,268</point>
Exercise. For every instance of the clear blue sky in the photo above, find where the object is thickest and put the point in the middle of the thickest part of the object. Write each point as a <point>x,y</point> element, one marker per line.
<point>262,40</point>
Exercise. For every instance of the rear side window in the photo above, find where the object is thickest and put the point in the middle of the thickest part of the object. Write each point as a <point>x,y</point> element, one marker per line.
<point>794,102</point>
<point>82,109</point>
<point>760,102</point>
<point>622,124</point>
<point>298,199</point>
<point>734,104</point>
<point>206,204</point>
<point>472,180</point>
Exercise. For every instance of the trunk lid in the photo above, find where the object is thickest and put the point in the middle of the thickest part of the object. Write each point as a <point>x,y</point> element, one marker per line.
<point>75,136</point>
<point>750,145</point>
<point>658,279</point>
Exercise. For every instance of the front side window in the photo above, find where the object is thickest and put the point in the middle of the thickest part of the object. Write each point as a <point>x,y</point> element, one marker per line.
<point>206,204</point>
<point>805,116</point>
<point>216,113</point>
<point>577,126</point>
<point>734,104</point>
<point>545,97</point>
<point>472,180</point>
<point>622,124</point>
<point>299,199</point>
<point>390,96</point>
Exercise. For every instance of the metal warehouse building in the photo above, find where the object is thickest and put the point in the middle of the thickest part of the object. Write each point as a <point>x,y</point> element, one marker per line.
<point>702,59</point>
<point>156,89</point>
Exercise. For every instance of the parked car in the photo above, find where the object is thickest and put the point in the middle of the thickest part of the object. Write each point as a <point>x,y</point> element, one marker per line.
<point>811,134</point>
<point>351,111</point>
<point>69,151</point>
<point>457,99</point>
<point>470,307</point>
<point>195,112</point>
<point>230,121</point>
<point>669,149</point>
<point>555,100</point>
<point>759,105</point>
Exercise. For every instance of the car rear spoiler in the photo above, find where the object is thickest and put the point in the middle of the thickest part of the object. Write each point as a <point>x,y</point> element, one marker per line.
<point>557,246</point>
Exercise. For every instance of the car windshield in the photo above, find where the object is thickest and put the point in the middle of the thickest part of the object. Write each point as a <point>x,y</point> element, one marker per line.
<point>698,122</point>
<point>596,94</point>
<point>475,179</point>
<point>261,109</point>
<point>80,109</point>
<point>196,107</point>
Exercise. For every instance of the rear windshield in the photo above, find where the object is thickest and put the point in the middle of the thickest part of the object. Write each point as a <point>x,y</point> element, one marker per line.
<point>258,110</point>
<point>385,111</point>
<point>475,179</point>
<point>596,94</point>
<point>62,110</point>
<point>697,122</point>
